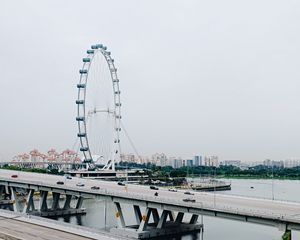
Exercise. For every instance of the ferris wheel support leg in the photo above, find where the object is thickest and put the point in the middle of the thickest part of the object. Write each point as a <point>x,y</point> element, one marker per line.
<point>113,166</point>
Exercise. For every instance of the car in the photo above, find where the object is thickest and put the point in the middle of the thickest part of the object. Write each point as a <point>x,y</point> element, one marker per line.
<point>172,190</point>
<point>14,176</point>
<point>153,188</point>
<point>188,200</point>
<point>121,183</point>
<point>80,184</point>
<point>68,176</point>
<point>95,188</point>
<point>60,183</point>
<point>188,193</point>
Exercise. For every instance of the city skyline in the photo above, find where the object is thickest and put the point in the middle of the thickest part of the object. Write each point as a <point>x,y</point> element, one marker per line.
<point>159,159</point>
<point>193,76</point>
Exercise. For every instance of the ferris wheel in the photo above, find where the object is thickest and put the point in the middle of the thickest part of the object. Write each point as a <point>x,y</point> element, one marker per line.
<point>99,108</point>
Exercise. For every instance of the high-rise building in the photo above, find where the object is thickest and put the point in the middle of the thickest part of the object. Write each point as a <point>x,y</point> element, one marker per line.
<point>175,162</point>
<point>211,161</point>
<point>189,162</point>
<point>160,159</point>
<point>197,161</point>
<point>292,162</point>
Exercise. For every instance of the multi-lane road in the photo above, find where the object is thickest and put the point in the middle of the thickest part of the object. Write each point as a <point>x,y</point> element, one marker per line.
<point>256,210</point>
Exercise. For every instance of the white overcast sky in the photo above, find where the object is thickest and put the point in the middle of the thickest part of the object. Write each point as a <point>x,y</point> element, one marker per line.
<point>197,77</point>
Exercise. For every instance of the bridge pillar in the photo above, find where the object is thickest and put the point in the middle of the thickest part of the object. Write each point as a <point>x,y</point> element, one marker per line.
<point>79,202</point>
<point>55,202</point>
<point>194,219</point>
<point>179,217</point>
<point>2,190</point>
<point>155,216</point>
<point>145,220</point>
<point>119,215</point>
<point>163,219</point>
<point>7,194</point>
<point>29,204</point>
<point>14,199</point>
<point>163,224</point>
<point>137,213</point>
<point>43,201</point>
<point>67,204</point>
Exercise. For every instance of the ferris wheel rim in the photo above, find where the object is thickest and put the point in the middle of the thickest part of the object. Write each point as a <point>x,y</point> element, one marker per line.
<point>81,103</point>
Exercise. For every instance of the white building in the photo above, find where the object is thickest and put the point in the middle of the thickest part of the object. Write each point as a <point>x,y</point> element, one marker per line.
<point>175,162</point>
<point>292,162</point>
<point>211,161</point>
<point>160,159</point>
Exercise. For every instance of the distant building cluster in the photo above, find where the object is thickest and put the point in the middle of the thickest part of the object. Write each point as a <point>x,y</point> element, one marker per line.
<point>51,156</point>
<point>161,159</point>
<point>288,163</point>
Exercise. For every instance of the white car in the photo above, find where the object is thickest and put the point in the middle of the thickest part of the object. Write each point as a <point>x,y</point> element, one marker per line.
<point>172,190</point>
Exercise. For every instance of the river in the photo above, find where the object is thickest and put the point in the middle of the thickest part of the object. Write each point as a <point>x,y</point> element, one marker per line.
<point>101,215</point>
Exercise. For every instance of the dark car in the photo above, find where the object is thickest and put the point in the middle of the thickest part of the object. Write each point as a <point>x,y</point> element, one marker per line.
<point>188,200</point>
<point>14,176</point>
<point>60,183</point>
<point>121,183</point>
<point>95,188</point>
<point>153,188</point>
<point>188,193</point>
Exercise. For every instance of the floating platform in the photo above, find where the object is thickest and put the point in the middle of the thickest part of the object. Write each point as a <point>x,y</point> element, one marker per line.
<point>111,175</point>
<point>203,188</point>
<point>59,212</point>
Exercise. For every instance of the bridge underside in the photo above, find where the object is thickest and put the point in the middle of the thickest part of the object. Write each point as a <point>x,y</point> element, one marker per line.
<point>23,201</point>
<point>162,224</point>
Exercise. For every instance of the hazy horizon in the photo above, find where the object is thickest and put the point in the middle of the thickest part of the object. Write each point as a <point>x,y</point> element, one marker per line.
<point>208,78</point>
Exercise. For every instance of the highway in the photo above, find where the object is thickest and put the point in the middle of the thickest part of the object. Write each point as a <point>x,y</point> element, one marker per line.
<point>226,206</point>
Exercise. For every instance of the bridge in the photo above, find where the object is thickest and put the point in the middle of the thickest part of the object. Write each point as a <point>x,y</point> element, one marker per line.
<point>167,210</point>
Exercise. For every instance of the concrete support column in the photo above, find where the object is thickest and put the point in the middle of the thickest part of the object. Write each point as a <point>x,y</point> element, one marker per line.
<point>79,202</point>
<point>2,190</point>
<point>29,204</point>
<point>145,220</point>
<point>43,201</point>
<point>179,217</point>
<point>7,193</point>
<point>119,215</point>
<point>55,202</point>
<point>171,216</point>
<point>155,215</point>
<point>194,219</point>
<point>14,199</point>
<point>138,214</point>
<point>163,219</point>
<point>67,204</point>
